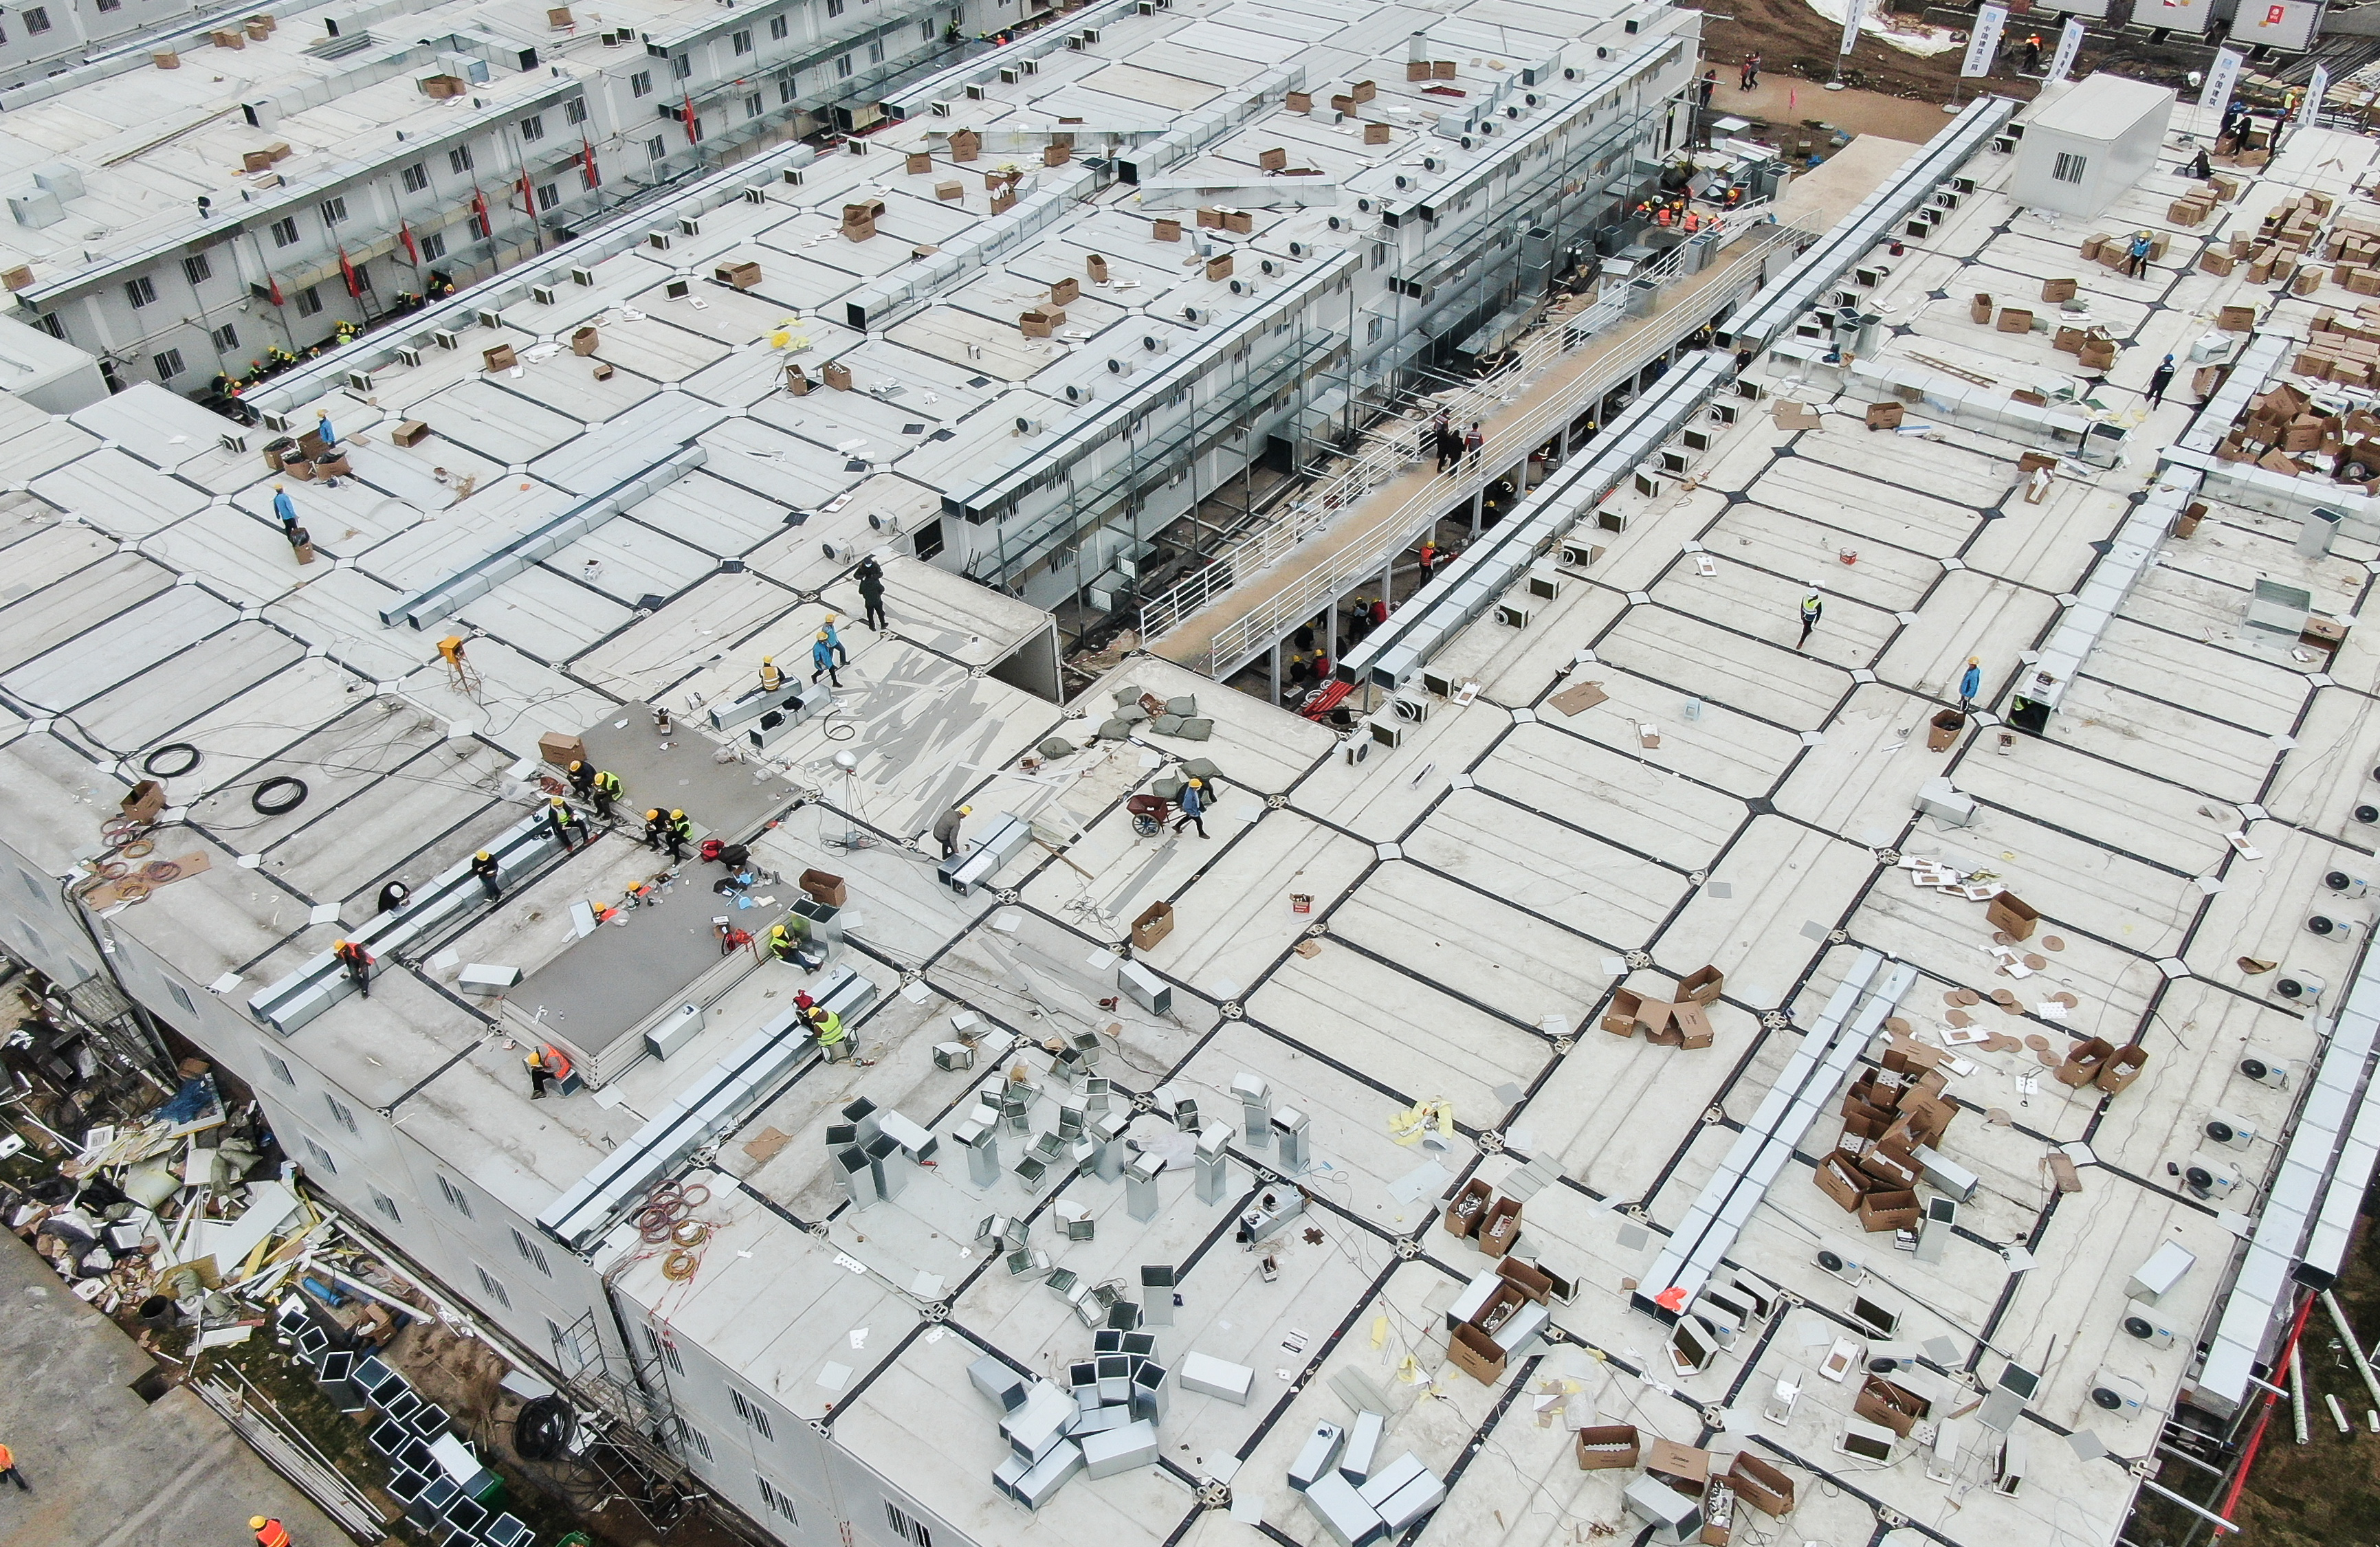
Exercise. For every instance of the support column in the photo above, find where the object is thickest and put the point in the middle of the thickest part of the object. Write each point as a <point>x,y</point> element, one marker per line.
<point>1330,612</point>
<point>1478,511</point>
<point>1276,670</point>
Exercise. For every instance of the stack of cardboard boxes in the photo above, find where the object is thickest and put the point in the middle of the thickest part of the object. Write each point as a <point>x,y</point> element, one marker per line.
<point>2283,433</point>
<point>2354,249</point>
<point>1889,1114</point>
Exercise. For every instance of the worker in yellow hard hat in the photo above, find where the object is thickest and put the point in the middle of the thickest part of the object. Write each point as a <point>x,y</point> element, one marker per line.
<point>582,779</point>
<point>823,658</point>
<point>681,833</point>
<point>483,865</point>
<point>946,828</point>
<point>656,829</point>
<point>358,962</point>
<point>563,824</point>
<point>770,678</point>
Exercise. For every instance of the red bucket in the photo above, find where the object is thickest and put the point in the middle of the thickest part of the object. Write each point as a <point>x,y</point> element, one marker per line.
<point>1301,902</point>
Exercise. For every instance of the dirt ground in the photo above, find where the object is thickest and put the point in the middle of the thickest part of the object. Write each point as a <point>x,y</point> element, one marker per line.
<point>1797,44</point>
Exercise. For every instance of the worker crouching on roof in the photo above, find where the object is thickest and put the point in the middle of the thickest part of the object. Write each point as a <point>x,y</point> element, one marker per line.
<point>681,833</point>
<point>563,824</point>
<point>358,962</point>
<point>483,865</point>
<point>656,829</point>
<point>603,792</point>
<point>547,1066</point>
<point>833,1039</point>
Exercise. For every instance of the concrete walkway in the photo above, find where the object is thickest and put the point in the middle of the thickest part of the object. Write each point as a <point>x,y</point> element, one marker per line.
<point>107,1469</point>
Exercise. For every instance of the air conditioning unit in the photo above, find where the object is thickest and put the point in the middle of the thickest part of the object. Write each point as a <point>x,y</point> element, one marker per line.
<point>1156,344</point>
<point>2334,926</point>
<point>1579,555</point>
<point>1696,440</point>
<point>1299,249</point>
<point>1029,427</point>
<point>791,177</point>
<point>1511,616</point>
<point>359,381</point>
<point>838,551</point>
<point>407,353</point>
<point>678,289</point>
<point>1243,287</point>
<point>1403,183</point>
<point>2302,987</point>
<point>1437,683</point>
<point>1673,461</point>
<point>2347,885</point>
<point>755,194</point>
<point>942,106</point>
<point>1649,485</point>
<point>1388,732</point>
<point>2149,1332</point>
<point>1009,76</point>
<point>1431,163</point>
<point>1268,266</point>
<point>1722,413</point>
<point>542,293</point>
<point>1872,274</point>
<point>1082,392</point>
<point>975,91</point>
<point>2265,1071</point>
<point>1197,317</point>
<point>2210,1180</point>
<point>1121,368</point>
<point>490,319</point>
<point>2009,1466</point>
<point>279,423</point>
<point>233,440</point>
<point>445,338</point>
<point>1847,1269</point>
<point>1354,749</point>
<point>890,525</point>
<point>1543,588</point>
<point>1336,224</point>
<point>688,227</point>
<point>1411,710</point>
<point>2229,1130</point>
<point>2118,1394</point>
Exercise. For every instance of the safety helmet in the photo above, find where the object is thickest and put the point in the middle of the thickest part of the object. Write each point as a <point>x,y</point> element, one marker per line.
<point>576,765</point>
<point>480,855</point>
<point>676,814</point>
<point>256,1522</point>
<point>654,815</point>
<point>1975,660</point>
<point>829,617</point>
<point>768,660</point>
<point>338,945</point>
<point>553,799</point>
<point>821,634</point>
<point>966,811</point>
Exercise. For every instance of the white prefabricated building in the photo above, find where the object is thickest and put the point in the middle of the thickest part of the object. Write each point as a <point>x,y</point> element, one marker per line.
<point>2085,147</point>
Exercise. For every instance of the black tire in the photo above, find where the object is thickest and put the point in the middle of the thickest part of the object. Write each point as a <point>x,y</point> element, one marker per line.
<point>265,802</point>
<point>2356,472</point>
<point>190,758</point>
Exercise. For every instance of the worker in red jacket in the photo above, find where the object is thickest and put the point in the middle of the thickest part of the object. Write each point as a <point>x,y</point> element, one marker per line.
<point>359,962</point>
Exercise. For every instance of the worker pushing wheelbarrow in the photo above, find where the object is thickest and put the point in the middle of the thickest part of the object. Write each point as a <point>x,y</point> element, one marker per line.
<point>1148,814</point>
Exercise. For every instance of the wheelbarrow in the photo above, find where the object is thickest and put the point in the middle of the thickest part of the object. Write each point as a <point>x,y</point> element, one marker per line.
<point>1148,813</point>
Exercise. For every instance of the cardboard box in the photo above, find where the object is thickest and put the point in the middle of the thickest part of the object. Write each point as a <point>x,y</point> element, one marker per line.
<point>1980,309</point>
<point>228,38</point>
<point>2187,212</point>
<point>1272,160</point>
<point>1057,156</point>
<point>1299,102</point>
<point>1064,290</point>
<point>858,222</point>
<point>2096,353</point>
<point>2058,289</point>
<point>1095,269</point>
<point>1467,1210</point>
<point>2122,1067</point>
<point>1701,986</point>
<point>918,162</point>
<point>1532,1281</point>
<point>1219,268</point>
<point>602,372</point>
<point>1620,1016</point>
<point>1155,923</point>
<point>1885,415</point>
<point>499,359</point>
<point>1888,1211</point>
<point>1895,1407</point>
<point>1211,219</point>
<point>824,888</point>
<point>1417,69</point>
<point>949,190</point>
<point>1041,322</point>
<point>2010,915</point>
<point>1376,134</point>
<point>1165,230</point>
<point>561,748</point>
<point>1475,1354</point>
<point>442,85</point>
<point>166,59</point>
<point>1942,732</point>
<point>2305,282</point>
<point>1602,1448</point>
<point>2014,319</point>
<point>2092,245</point>
<point>333,465</point>
<point>1759,1484</point>
<point>1840,1177</point>
<point>1689,1027</point>
<point>1891,1167</point>
<point>1443,69</point>
<point>2214,262</point>
<point>144,802</point>
<point>585,340</point>
<point>965,145</point>
<point>2083,1061</point>
<point>836,374</point>
<point>411,432</point>
<point>1682,1467</point>
<point>1365,90</point>
<point>742,276</point>
<point>2069,340</point>
<point>1501,1227</point>
<point>1239,221</point>
<point>2236,318</point>
<point>256,161</point>
<point>1003,201</point>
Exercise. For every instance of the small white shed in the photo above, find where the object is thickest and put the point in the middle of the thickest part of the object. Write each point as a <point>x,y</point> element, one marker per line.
<point>2083,148</point>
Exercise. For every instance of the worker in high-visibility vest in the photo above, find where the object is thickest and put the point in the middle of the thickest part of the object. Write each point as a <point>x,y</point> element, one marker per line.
<point>604,791</point>
<point>269,1533</point>
<point>680,834</point>
<point>547,1065</point>
<point>781,942</point>
<point>828,1028</point>
<point>8,1470</point>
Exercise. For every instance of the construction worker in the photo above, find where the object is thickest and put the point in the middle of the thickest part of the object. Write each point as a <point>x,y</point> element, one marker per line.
<point>656,829</point>
<point>8,1470</point>
<point>546,1065</point>
<point>946,828</point>
<point>1971,683</point>
<point>827,1026</point>
<point>359,962</point>
<point>841,656</point>
<point>781,943</point>
<point>582,780</point>
<point>1194,806</point>
<point>269,1533</point>
<point>681,833</point>
<point>604,791</point>
<point>284,510</point>
<point>871,575</point>
<point>563,824</point>
<point>771,679</point>
<point>1693,220</point>
<point>323,428</point>
<point>1811,610</point>
<point>1664,216</point>
<point>1300,674</point>
<point>483,865</point>
<point>822,659</point>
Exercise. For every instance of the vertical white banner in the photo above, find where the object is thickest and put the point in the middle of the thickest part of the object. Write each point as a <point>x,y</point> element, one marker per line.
<point>2220,81</point>
<point>1853,11</point>
<point>1984,42</point>
<point>2069,45</point>
<point>2316,89</point>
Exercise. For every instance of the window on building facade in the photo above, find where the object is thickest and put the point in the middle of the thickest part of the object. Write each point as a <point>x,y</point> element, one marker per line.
<point>334,210</point>
<point>454,1197</point>
<point>2067,167</point>
<point>786,90</point>
<point>575,111</point>
<point>386,1205</point>
<point>284,231</point>
<point>344,1114</point>
<point>533,126</point>
<point>493,1285</point>
<point>433,247</point>
<point>548,195</point>
<point>776,1498</point>
<point>741,41</point>
<point>907,1528</point>
<point>876,51</point>
<point>310,301</point>
<point>227,339</point>
<point>459,158</point>
<point>655,149</point>
<point>842,68</point>
<point>834,7</point>
<point>778,27</point>
<point>682,67</point>
<point>197,269</point>
<point>754,107</point>
<point>750,1411</point>
<point>38,19</point>
<point>532,1253</point>
<point>415,177</point>
<point>140,292</point>
<point>695,1438</point>
<point>642,84</point>
<point>322,1157</point>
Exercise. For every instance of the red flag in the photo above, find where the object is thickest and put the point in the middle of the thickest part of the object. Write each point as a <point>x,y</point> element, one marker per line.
<point>692,125</point>
<point>479,213</point>
<point>586,158</point>
<point>273,284</point>
<point>412,249</point>
<point>347,272</point>
<point>528,199</point>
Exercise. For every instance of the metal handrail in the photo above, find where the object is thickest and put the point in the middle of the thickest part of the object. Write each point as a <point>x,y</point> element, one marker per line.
<point>1394,530</point>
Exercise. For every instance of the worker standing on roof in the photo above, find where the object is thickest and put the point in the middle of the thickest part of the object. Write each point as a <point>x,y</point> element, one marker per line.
<point>285,510</point>
<point>770,678</point>
<point>582,779</point>
<point>1811,610</point>
<point>822,659</point>
<point>8,1470</point>
<point>483,865</point>
<point>359,962</point>
<point>2159,379</point>
<point>269,1533</point>
<point>1971,683</point>
<point>871,575</point>
<point>681,833</point>
<point>946,828</point>
<point>563,824</point>
<point>1193,805</point>
<point>604,791</point>
<point>329,438</point>
<point>834,641</point>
